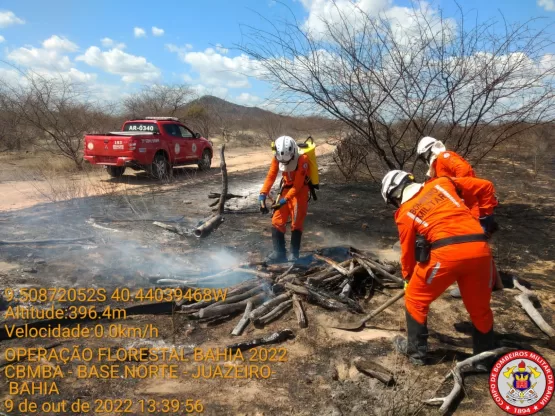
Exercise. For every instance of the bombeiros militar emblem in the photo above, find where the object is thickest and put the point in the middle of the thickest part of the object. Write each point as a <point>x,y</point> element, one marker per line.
<point>522,382</point>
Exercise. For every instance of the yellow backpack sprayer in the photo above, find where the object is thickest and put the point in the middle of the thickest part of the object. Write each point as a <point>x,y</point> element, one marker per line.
<point>308,148</point>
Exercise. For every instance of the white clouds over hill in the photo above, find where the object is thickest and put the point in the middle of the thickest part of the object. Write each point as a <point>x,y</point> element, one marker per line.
<point>130,67</point>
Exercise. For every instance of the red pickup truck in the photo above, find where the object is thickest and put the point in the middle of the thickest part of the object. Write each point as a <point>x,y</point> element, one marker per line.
<point>154,144</point>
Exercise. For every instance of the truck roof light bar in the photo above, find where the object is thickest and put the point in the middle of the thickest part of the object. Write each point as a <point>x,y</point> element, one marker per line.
<point>162,118</point>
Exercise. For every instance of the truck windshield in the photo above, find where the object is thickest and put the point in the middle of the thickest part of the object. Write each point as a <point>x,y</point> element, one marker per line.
<point>146,127</point>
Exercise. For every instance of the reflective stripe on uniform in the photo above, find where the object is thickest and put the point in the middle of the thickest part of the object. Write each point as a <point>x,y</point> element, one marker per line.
<point>448,195</point>
<point>433,273</point>
<point>418,220</point>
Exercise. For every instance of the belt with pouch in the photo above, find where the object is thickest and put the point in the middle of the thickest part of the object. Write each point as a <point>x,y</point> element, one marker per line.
<point>458,239</point>
<point>422,248</point>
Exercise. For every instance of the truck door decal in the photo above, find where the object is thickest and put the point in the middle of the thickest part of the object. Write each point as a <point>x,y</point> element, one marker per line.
<point>177,148</point>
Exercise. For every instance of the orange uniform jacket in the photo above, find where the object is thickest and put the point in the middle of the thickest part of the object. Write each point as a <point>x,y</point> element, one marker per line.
<point>451,164</point>
<point>294,180</point>
<point>437,212</point>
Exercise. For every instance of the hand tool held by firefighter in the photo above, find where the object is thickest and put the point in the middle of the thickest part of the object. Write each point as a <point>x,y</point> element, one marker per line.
<point>263,208</point>
<point>279,204</point>
<point>350,326</point>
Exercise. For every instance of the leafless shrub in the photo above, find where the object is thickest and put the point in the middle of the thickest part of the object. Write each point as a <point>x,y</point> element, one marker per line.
<point>200,118</point>
<point>273,126</point>
<point>474,85</point>
<point>249,139</point>
<point>159,100</point>
<point>54,109</point>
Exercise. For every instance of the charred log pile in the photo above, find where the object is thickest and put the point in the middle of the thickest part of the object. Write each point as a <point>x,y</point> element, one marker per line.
<point>284,289</point>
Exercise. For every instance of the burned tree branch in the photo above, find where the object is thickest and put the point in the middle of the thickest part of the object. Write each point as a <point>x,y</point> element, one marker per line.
<point>285,273</point>
<point>231,308</point>
<point>525,301</point>
<point>49,241</point>
<point>268,305</point>
<point>376,267</point>
<point>244,322</point>
<point>237,298</point>
<point>274,338</point>
<point>223,194</point>
<point>299,312</point>
<point>208,225</point>
<point>333,264</point>
<point>456,373</point>
<point>213,222</point>
<point>374,370</point>
<point>274,313</point>
<point>217,195</point>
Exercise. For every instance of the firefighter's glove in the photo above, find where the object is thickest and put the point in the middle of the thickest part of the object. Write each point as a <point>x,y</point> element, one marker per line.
<point>263,208</point>
<point>280,203</point>
<point>488,224</point>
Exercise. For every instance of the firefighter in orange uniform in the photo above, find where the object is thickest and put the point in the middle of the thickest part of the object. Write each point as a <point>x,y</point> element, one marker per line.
<point>448,163</point>
<point>442,162</point>
<point>292,200</point>
<point>442,243</point>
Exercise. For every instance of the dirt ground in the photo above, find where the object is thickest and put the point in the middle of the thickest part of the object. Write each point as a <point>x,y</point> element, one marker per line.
<point>316,377</point>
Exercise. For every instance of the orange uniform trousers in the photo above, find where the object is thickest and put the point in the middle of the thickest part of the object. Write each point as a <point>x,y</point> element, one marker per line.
<point>296,208</point>
<point>470,265</point>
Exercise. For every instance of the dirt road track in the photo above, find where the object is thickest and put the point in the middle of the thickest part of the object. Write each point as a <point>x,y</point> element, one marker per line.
<point>22,189</point>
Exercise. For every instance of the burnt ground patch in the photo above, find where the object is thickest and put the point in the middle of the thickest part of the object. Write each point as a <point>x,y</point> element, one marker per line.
<point>318,378</point>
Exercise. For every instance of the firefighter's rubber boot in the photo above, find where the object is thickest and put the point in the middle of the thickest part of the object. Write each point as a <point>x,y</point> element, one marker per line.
<point>480,343</point>
<point>279,254</point>
<point>296,236</point>
<point>415,346</point>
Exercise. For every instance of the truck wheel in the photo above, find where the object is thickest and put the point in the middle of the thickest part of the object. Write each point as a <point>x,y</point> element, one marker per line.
<point>206,161</point>
<point>116,171</point>
<point>160,167</point>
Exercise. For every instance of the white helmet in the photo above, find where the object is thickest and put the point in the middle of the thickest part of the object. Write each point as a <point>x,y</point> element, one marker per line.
<point>393,184</point>
<point>287,153</point>
<point>425,144</point>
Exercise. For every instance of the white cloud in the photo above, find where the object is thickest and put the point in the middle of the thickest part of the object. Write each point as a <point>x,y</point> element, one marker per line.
<point>11,76</point>
<point>8,18</point>
<point>132,68</point>
<point>247,99</point>
<point>331,11</point>
<point>221,49</point>
<point>215,91</point>
<point>15,77</point>
<point>2,39</point>
<point>139,32</point>
<point>57,43</point>
<point>157,31</point>
<point>72,75</point>
<point>406,23</point>
<point>107,42</point>
<point>110,43</point>
<point>181,51</point>
<point>216,70</point>
<point>49,61</point>
<point>548,5</point>
<point>49,57</point>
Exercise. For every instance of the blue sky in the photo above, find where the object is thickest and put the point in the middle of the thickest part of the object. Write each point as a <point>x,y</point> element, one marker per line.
<point>102,42</point>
